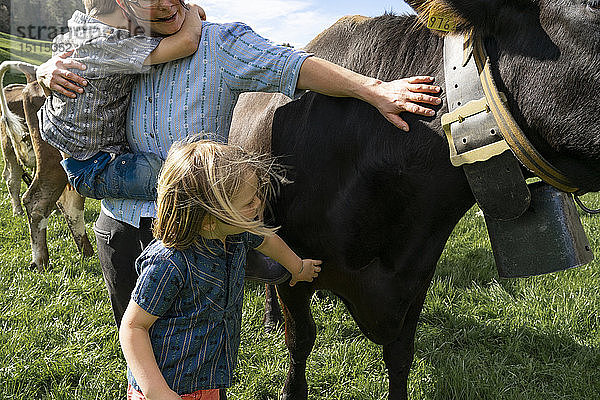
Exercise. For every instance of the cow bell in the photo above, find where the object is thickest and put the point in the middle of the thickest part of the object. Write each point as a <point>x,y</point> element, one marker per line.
<point>547,237</point>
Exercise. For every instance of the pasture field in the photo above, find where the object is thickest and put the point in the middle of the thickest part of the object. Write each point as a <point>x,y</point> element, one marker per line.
<point>22,49</point>
<point>479,337</point>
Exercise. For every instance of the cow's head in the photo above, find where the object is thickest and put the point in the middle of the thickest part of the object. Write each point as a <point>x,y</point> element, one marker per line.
<point>546,58</point>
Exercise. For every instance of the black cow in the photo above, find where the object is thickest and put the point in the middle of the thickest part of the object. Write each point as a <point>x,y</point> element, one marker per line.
<point>378,205</point>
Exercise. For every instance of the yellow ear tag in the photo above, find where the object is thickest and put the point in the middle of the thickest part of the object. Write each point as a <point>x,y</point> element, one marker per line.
<point>441,23</point>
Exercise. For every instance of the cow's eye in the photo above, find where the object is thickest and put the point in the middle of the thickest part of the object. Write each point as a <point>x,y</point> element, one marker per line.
<point>593,5</point>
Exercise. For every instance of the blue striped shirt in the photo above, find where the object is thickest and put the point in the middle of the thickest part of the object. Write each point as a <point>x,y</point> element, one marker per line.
<point>197,294</point>
<point>197,94</point>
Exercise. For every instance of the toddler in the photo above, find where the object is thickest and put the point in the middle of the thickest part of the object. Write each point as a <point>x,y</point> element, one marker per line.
<point>89,131</point>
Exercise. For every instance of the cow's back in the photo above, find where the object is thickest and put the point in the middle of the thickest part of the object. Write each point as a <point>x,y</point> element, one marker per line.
<point>388,47</point>
<point>253,119</point>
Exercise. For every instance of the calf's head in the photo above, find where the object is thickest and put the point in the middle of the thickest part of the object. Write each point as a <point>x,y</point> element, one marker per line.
<point>546,58</point>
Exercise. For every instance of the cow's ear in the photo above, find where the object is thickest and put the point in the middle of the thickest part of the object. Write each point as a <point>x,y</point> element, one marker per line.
<point>415,4</point>
<point>487,16</point>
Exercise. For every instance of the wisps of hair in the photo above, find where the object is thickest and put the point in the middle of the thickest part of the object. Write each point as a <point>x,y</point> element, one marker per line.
<point>98,7</point>
<point>198,181</point>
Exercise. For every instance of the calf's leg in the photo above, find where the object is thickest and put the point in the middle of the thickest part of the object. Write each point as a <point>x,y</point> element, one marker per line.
<point>71,205</point>
<point>39,201</point>
<point>300,334</point>
<point>11,173</point>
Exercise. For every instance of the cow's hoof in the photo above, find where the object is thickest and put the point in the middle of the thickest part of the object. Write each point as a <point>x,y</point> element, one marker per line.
<point>36,266</point>
<point>88,250</point>
<point>295,387</point>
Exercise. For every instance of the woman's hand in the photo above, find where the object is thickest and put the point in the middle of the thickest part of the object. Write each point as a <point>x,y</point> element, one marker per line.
<point>53,75</point>
<point>306,272</point>
<point>392,98</point>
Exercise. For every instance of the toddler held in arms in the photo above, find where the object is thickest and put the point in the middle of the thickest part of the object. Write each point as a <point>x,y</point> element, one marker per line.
<point>89,130</point>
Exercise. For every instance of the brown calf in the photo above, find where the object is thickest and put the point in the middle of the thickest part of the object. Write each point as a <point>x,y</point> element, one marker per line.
<point>13,171</point>
<point>49,186</point>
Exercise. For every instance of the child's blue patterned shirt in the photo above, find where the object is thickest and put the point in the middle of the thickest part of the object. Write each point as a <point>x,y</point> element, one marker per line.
<point>197,294</point>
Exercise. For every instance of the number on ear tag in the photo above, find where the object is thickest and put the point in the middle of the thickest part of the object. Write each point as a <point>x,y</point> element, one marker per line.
<point>441,23</point>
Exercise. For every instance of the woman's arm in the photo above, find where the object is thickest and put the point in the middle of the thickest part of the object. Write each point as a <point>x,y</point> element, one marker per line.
<point>390,98</point>
<point>302,270</point>
<point>137,349</point>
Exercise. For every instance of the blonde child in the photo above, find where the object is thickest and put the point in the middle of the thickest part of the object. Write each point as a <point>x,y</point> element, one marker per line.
<point>180,333</point>
<point>90,130</point>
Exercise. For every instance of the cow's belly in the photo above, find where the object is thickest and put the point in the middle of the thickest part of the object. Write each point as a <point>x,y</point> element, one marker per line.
<point>376,296</point>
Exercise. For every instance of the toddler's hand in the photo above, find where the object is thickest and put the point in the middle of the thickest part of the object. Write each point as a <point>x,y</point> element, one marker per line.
<point>308,270</point>
<point>193,20</point>
<point>202,13</point>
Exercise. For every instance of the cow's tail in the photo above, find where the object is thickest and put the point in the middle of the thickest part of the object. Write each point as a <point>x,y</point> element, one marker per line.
<point>12,123</point>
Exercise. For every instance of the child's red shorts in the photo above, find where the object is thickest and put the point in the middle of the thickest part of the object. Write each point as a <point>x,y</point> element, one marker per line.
<point>212,394</point>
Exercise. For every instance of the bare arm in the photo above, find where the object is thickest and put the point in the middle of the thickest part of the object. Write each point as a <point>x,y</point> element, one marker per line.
<point>390,98</point>
<point>302,270</point>
<point>137,349</point>
<point>181,44</point>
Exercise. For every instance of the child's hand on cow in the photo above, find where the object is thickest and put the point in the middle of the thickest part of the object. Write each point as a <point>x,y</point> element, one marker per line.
<point>392,98</point>
<point>307,271</point>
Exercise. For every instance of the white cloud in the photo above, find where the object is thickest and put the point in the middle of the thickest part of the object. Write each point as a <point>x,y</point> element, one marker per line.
<point>281,21</point>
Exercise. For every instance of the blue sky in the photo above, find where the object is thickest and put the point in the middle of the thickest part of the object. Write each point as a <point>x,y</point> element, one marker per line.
<point>294,21</point>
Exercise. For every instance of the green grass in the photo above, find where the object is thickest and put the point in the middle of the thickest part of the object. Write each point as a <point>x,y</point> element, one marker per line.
<point>22,49</point>
<point>479,337</point>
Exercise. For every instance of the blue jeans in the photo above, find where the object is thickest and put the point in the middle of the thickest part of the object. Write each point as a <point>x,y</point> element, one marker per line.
<point>127,176</point>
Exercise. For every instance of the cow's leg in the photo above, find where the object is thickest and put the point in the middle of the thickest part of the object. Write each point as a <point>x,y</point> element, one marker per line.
<point>300,334</point>
<point>11,173</point>
<point>398,355</point>
<point>40,200</point>
<point>71,205</point>
<point>49,180</point>
<point>273,316</point>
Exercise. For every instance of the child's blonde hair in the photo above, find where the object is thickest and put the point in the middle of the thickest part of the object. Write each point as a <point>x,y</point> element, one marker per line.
<point>198,181</point>
<point>99,7</point>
